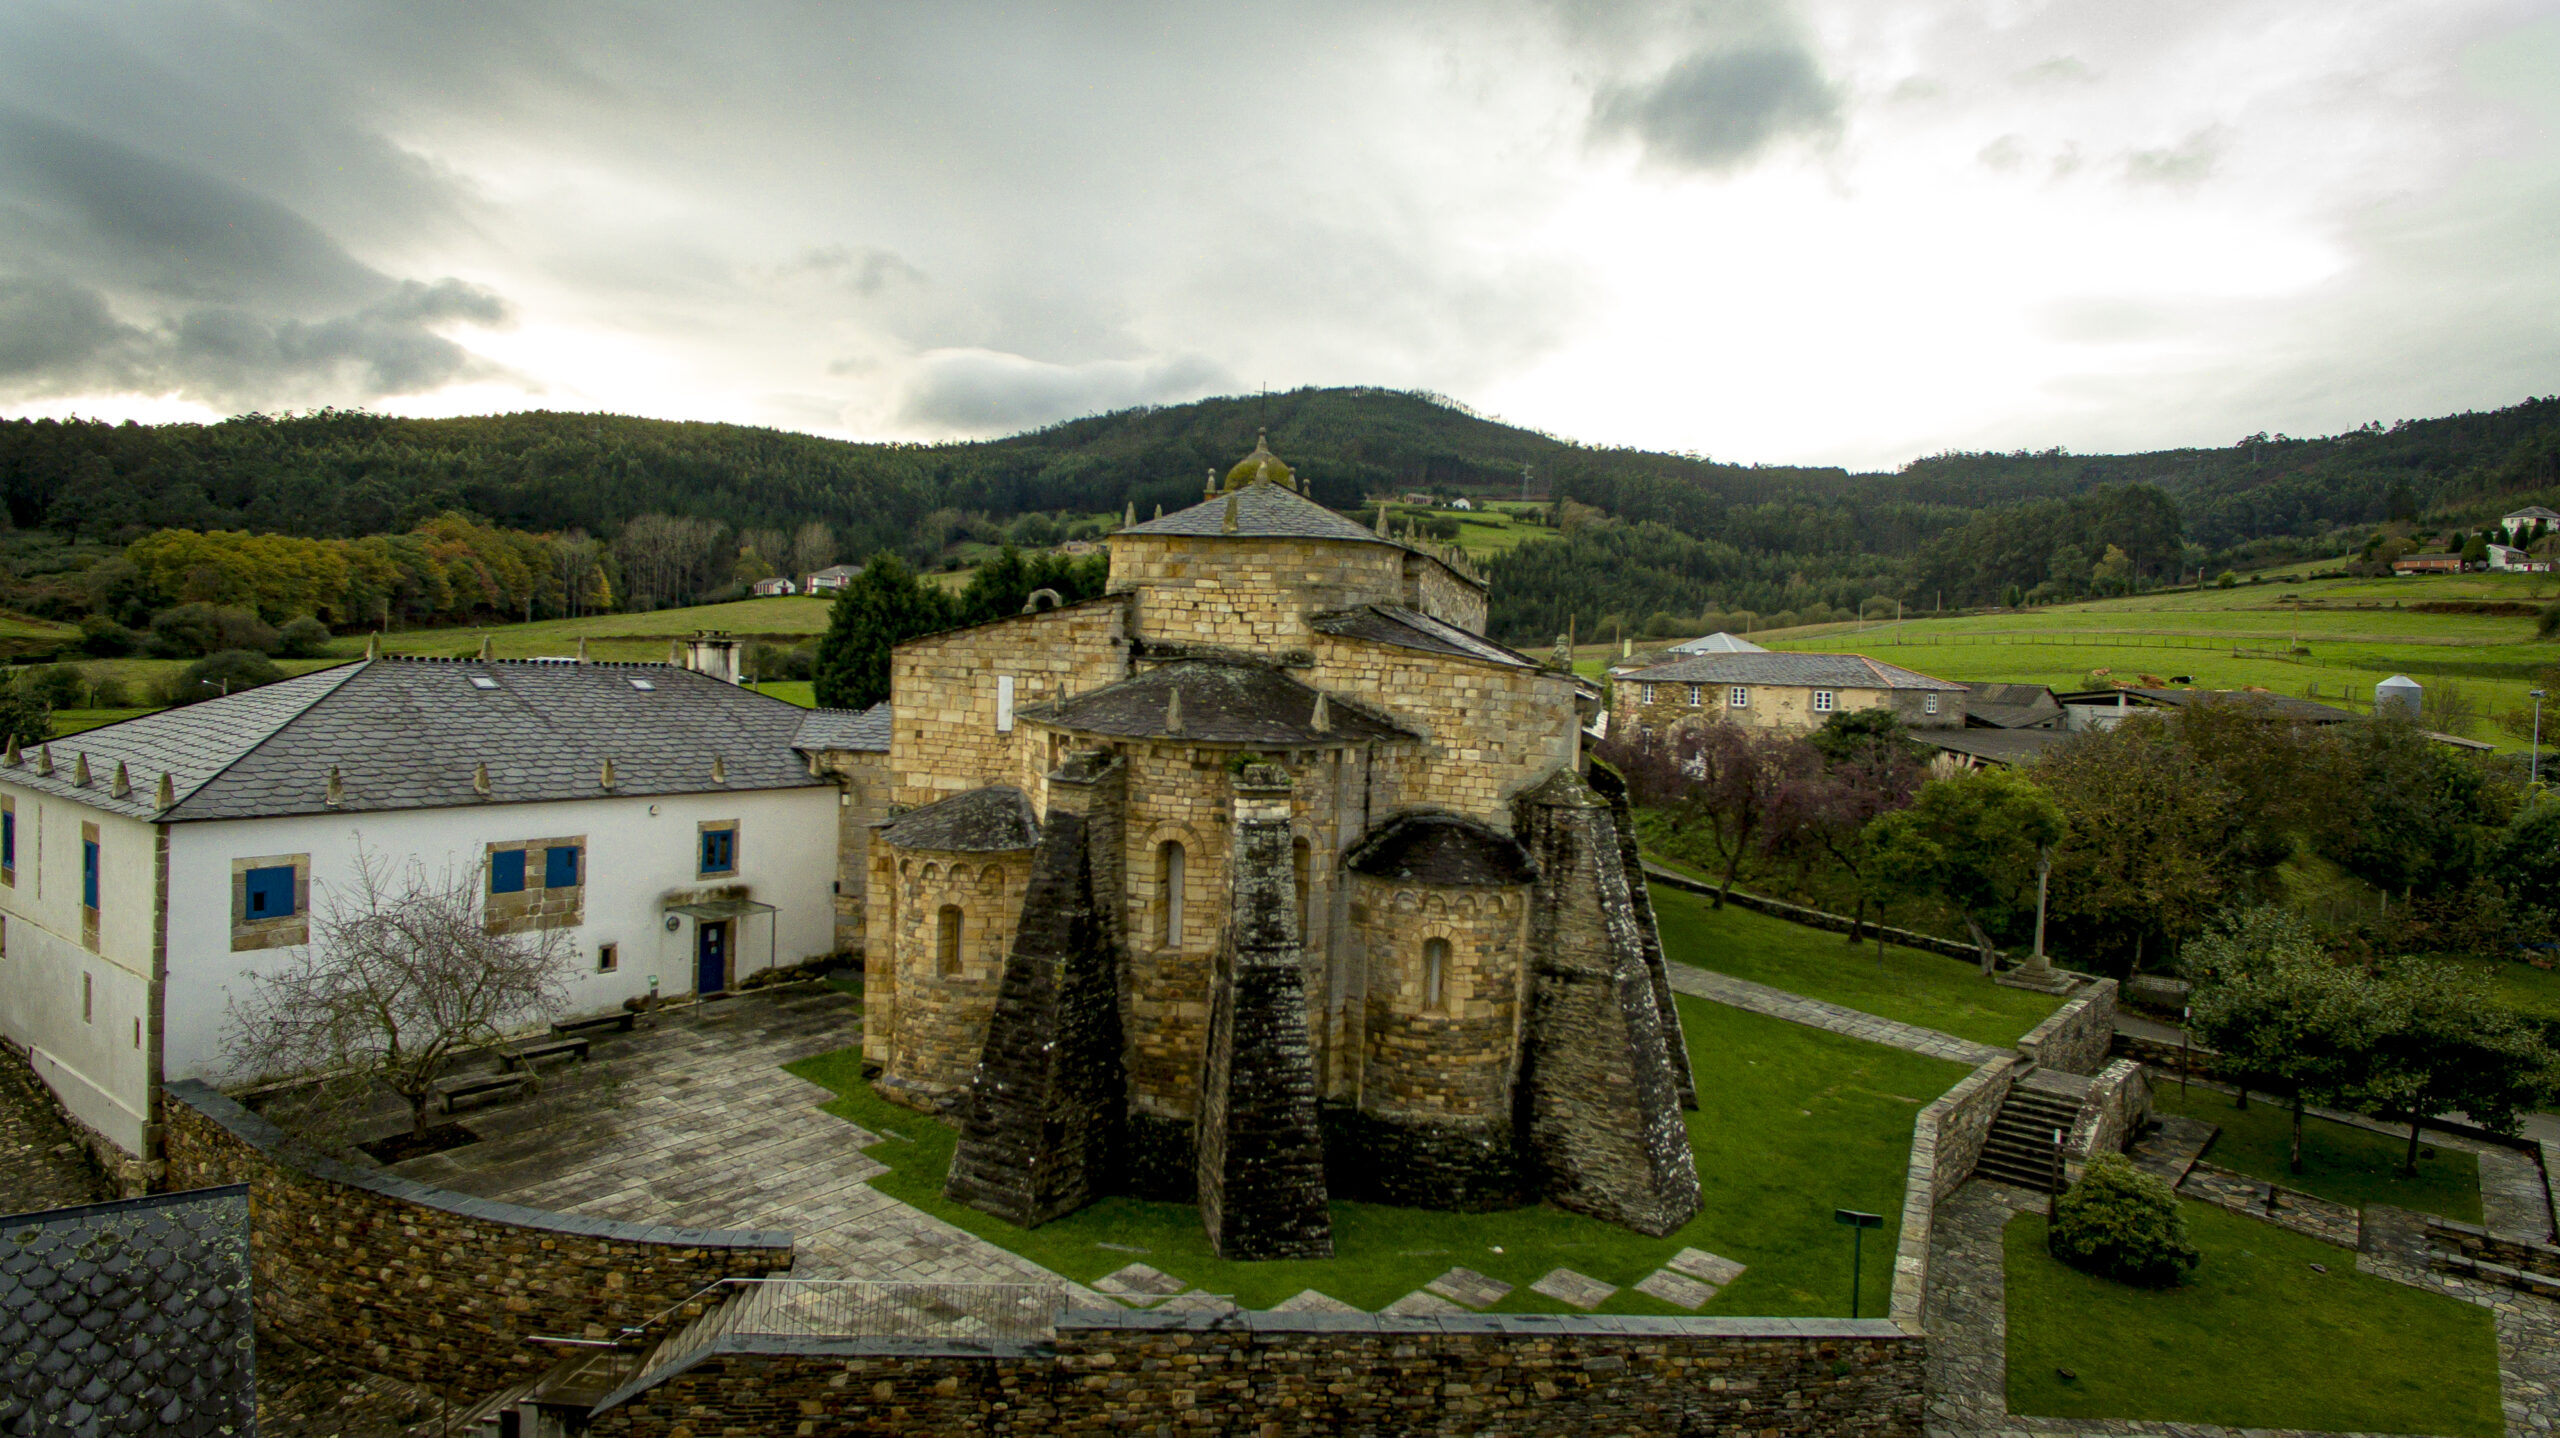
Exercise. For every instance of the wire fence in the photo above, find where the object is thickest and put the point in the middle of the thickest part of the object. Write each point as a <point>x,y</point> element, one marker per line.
<point>974,1313</point>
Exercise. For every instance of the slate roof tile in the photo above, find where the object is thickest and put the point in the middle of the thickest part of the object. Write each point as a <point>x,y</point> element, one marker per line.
<point>1263,511</point>
<point>1840,671</point>
<point>995,819</point>
<point>1223,702</point>
<point>1442,849</point>
<point>861,731</point>
<point>1411,629</point>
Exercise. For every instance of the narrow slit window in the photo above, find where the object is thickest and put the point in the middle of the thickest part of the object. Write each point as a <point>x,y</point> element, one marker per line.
<point>88,1000</point>
<point>608,958</point>
<point>1170,862</point>
<point>1435,975</point>
<point>89,875</point>
<point>946,941</point>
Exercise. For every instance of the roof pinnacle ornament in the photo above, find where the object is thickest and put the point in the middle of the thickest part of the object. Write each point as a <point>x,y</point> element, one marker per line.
<point>480,779</point>
<point>1173,712</point>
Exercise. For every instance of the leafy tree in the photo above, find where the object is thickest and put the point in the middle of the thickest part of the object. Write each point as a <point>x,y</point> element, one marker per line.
<point>1733,783</point>
<point>302,637</point>
<point>2121,1223</point>
<point>2446,1042</point>
<point>1870,768</point>
<point>883,606</point>
<point>24,714</point>
<point>403,977</point>
<point>1973,841</point>
<point>2148,855</point>
<point>191,631</point>
<point>2289,779</point>
<point>228,672</point>
<point>2281,1014</point>
<point>2526,862</point>
<point>2420,812</point>
<point>106,639</point>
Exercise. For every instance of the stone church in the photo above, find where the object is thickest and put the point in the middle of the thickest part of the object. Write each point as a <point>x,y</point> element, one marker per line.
<point>1262,879</point>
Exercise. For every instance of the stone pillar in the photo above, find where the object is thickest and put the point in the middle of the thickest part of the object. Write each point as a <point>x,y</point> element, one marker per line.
<point>1043,1122</point>
<point>1599,1093</point>
<point>1611,786</point>
<point>1262,1185</point>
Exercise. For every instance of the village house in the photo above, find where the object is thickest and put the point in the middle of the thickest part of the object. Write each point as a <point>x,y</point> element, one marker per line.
<point>830,579</point>
<point>1794,693</point>
<point>658,817</point>
<point>2521,524</point>
<point>768,588</point>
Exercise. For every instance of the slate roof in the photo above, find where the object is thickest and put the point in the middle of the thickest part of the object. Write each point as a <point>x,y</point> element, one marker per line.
<point>995,819</point>
<point>2309,711</point>
<point>1995,746</point>
<point>2011,706</point>
<point>1717,643</point>
<point>1223,702</point>
<point>1771,666</point>
<point>129,1317</point>
<point>1411,629</point>
<point>2534,511</point>
<point>1263,511</point>
<point>1442,849</point>
<point>408,734</point>
<point>861,731</point>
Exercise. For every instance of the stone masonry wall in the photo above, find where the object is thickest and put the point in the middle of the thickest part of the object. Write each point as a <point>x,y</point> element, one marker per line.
<point>1246,593</point>
<point>1177,794</point>
<point>862,799</point>
<point>2076,1038</point>
<point>1275,1375</point>
<point>1772,706</point>
<point>2117,1105</point>
<point>947,740</point>
<point>1490,730</point>
<point>1433,589</point>
<point>1946,1142</point>
<point>430,1287</point>
<point>938,1021</point>
<point>1455,1060</point>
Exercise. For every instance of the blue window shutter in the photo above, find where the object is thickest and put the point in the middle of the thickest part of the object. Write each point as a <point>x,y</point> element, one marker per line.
<point>560,866</point>
<point>270,893</point>
<point>506,871</point>
<point>9,840</point>
<point>89,873</point>
<point>719,850</point>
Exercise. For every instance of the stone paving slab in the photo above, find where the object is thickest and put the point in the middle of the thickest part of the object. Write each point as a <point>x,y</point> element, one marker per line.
<point>1677,1289</point>
<point>2273,1203</point>
<point>42,1163</point>
<point>1308,1300</point>
<point>1421,1303</point>
<point>1198,1303</point>
<point>1139,1284</point>
<point>1814,1013</point>
<point>1706,1267</point>
<point>1578,1289</point>
<point>1465,1285</point>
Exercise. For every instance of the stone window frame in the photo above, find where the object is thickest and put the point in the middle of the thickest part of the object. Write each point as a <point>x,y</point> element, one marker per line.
<point>1193,845</point>
<point>1697,696</point>
<point>1648,693</point>
<point>538,905</point>
<point>608,958</point>
<point>1826,701</point>
<point>950,940</point>
<point>737,860</point>
<point>1929,702</point>
<point>1438,1003</point>
<point>248,934</point>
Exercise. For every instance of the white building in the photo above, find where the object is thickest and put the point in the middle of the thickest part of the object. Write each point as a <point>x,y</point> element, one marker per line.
<point>661,817</point>
<point>768,588</point>
<point>2521,523</point>
<point>831,579</point>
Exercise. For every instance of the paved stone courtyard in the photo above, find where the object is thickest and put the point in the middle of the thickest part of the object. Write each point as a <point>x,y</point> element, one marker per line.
<point>42,1164</point>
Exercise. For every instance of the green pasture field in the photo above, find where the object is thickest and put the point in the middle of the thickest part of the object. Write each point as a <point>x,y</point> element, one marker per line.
<point>2340,1162</point>
<point>1801,1122</point>
<point>2255,1338</point>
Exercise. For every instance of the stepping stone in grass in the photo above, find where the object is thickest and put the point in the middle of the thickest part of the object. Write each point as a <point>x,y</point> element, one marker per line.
<point>1139,1284</point>
<point>1421,1303</point>
<point>1198,1303</point>
<point>1705,1267</point>
<point>1310,1301</point>
<point>1677,1289</point>
<point>1465,1285</point>
<point>1578,1289</point>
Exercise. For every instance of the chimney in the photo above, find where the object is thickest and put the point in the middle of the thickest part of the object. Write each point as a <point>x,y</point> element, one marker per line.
<point>713,653</point>
<point>1212,491</point>
<point>1131,516</point>
<point>373,645</point>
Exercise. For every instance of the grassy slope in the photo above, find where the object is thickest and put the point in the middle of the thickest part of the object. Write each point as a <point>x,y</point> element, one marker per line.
<point>1802,1122</point>
<point>2254,1339</point>
<point>2339,1163</point>
<point>1902,984</point>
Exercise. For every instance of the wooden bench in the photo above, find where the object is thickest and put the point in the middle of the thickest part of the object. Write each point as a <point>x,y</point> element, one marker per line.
<point>473,1085</point>
<point>622,1021</point>
<point>574,1047</point>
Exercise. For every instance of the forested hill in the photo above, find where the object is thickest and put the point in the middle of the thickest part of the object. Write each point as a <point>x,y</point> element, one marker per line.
<point>1691,532</point>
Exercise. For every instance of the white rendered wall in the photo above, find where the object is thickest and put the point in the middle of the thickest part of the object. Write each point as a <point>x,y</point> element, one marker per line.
<point>640,851</point>
<point>99,1066</point>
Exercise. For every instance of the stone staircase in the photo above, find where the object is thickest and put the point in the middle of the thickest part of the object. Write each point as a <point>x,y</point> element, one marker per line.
<point>2019,1148</point>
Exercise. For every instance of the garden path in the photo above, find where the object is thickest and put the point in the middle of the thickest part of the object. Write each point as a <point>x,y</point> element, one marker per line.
<point>1967,1319</point>
<point>1814,1013</point>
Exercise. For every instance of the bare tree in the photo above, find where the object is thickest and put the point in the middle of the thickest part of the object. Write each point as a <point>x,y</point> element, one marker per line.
<point>813,547</point>
<point>402,978</point>
<point>762,552</point>
<point>577,568</point>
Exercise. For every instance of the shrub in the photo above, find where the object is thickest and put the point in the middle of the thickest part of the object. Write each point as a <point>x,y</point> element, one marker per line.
<point>191,631</point>
<point>2227,580</point>
<point>2121,1223</point>
<point>302,638</point>
<point>111,693</point>
<point>106,639</point>
<point>24,715</point>
<point>2549,625</point>
<point>56,686</point>
<point>228,672</point>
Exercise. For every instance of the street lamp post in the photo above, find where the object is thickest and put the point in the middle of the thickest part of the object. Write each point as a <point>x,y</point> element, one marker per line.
<point>1857,1223</point>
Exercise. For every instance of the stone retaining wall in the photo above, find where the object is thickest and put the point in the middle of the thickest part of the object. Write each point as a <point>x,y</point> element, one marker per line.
<point>2114,1110</point>
<point>2076,1038</point>
<point>2164,1058</point>
<point>1319,1375</point>
<point>1946,1142</point>
<point>1822,919</point>
<point>2473,1241</point>
<point>432,1287</point>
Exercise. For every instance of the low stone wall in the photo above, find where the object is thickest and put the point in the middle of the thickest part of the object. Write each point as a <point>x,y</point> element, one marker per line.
<point>2473,1241</point>
<point>2114,1110</point>
<point>1280,1375</point>
<point>1946,1142</point>
<point>1820,918</point>
<point>2164,1058</point>
<point>432,1287</point>
<point>2075,1040</point>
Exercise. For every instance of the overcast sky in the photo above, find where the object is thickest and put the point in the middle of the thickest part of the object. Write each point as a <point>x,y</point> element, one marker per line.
<point>1780,230</point>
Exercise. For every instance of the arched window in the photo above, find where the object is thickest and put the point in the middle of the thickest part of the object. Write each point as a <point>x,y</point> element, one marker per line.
<point>946,941</point>
<point>1169,861</point>
<point>1435,975</point>
<point>1298,863</point>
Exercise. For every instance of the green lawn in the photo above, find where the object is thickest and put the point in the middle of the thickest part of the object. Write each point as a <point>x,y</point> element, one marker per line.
<point>796,691</point>
<point>2255,1338</point>
<point>1799,1123</point>
<point>2339,1163</point>
<point>2530,991</point>
<point>1929,990</point>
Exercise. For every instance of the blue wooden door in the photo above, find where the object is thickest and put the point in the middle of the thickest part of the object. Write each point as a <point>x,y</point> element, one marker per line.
<point>711,957</point>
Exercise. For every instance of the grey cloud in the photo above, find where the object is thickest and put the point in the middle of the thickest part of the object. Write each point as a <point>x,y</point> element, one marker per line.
<point>866,270</point>
<point>51,327</point>
<point>1720,107</point>
<point>990,392</point>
